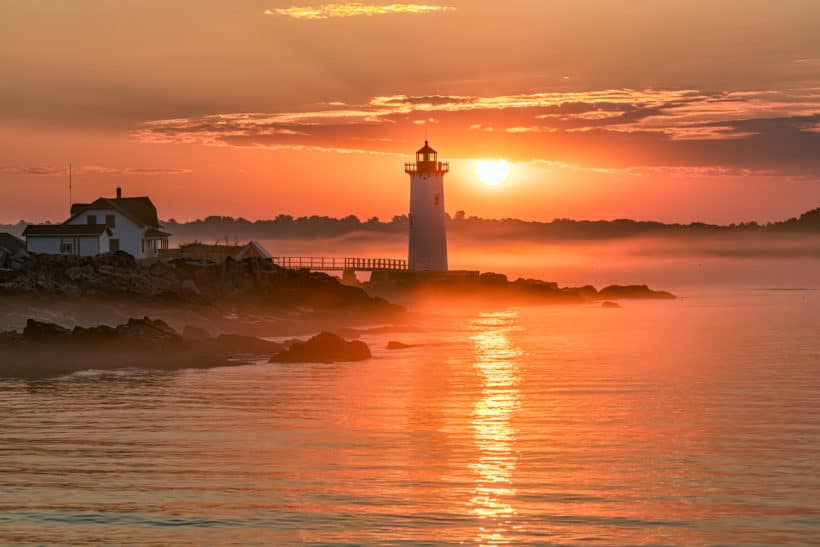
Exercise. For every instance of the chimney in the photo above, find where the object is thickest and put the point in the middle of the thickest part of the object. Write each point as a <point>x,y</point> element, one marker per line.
<point>119,193</point>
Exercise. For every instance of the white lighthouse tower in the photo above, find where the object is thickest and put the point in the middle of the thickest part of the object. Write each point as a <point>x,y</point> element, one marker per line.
<point>428,231</point>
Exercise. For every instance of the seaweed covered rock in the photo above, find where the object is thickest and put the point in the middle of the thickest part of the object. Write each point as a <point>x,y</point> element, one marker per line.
<point>323,348</point>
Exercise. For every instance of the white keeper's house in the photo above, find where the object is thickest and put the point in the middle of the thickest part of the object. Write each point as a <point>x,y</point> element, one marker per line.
<point>105,225</point>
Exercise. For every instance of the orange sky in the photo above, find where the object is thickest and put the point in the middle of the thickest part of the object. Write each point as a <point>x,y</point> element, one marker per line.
<point>676,110</point>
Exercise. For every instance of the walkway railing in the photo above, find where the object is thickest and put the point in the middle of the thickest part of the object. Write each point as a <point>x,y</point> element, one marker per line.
<point>339,264</point>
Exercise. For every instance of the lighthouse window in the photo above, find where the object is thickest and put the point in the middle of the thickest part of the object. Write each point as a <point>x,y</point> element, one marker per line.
<point>436,199</point>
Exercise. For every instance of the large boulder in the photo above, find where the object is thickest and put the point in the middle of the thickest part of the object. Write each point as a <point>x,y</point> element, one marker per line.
<point>149,331</point>
<point>323,348</point>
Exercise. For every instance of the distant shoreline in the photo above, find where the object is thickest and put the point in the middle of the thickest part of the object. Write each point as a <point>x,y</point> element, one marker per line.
<point>230,230</point>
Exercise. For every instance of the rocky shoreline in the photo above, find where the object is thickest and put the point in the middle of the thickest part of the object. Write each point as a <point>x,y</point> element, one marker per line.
<point>242,300</point>
<point>182,280</point>
<point>399,286</point>
<point>44,349</point>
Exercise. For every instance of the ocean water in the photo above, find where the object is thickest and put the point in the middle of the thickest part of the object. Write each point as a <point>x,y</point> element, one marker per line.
<point>662,423</point>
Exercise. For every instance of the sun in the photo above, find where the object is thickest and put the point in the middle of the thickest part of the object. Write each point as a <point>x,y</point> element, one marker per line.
<point>492,172</point>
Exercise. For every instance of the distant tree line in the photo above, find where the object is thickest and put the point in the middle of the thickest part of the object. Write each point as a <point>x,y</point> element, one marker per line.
<point>230,230</point>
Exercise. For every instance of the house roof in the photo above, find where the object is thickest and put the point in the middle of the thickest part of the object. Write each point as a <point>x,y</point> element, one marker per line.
<point>253,245</point>
<point>46,230</point>
<point>10,242</point>
<point>140,210</point>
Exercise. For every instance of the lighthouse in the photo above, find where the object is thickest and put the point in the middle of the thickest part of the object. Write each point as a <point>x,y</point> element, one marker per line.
<point>428,230</point>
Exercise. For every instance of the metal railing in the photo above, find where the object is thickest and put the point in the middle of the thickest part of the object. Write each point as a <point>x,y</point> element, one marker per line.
<point>338,264</point>
<point>438,167</point>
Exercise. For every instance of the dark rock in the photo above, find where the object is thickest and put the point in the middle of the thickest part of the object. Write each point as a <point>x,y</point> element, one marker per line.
<point>587,291</point>
<point>521,282</point>
<point>94,334</point>
<point>490,278</point>
<point>74,273</point>
<point>45,349</point>
<point>609,304</point>
<point>9,338</point>
<point>615,292</point>
<point>39,330</point>
<point>255,282</point>
<point>159,269</point>
<point>324,348</point>
<point>149,331</point>
<point>399,345</point>
<point>7,275</point>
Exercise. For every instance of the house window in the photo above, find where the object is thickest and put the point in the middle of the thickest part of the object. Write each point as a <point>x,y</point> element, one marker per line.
<point>114,245</point>
<point>66,248</point>
<point>436,199</point>
<point>111,221</point>
<point>92,219</point>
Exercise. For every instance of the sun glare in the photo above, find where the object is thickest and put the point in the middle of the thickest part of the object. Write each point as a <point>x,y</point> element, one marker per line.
<point>492,172</point>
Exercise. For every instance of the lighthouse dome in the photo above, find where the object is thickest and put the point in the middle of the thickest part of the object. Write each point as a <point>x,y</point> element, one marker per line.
<point>426,149</point>
<point>426,153</point>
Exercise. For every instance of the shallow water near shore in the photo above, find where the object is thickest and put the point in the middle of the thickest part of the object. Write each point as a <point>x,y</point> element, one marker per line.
<point>692,421</point>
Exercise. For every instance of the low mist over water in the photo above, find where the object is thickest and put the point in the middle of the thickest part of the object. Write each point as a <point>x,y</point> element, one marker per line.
<point>673,263</point>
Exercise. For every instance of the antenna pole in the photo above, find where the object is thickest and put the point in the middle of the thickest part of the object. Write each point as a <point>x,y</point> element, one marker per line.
<point>70,200</point>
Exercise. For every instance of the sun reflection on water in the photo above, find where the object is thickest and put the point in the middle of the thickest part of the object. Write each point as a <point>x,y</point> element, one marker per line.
<point>497,363</point>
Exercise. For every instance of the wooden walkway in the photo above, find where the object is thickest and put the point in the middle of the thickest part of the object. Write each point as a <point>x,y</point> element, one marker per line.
<point>322,263</point>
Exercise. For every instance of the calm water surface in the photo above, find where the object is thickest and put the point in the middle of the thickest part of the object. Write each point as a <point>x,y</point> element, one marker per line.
<point>687,422</point>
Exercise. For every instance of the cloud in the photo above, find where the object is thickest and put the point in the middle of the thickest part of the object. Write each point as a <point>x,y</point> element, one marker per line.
<point>608,129</point>
<point>354,9</point>
<point>92,170</point>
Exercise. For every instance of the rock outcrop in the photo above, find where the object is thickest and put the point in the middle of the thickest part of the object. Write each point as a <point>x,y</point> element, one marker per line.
<point>393,345</point>
<point>47,349</point>
<point>452,285</point>
<point>616,292</point>
<point>251,280</point>
<point>323,348</point>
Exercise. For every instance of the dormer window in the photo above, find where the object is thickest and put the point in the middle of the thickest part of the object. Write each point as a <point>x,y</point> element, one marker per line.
<point>91,219</point>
